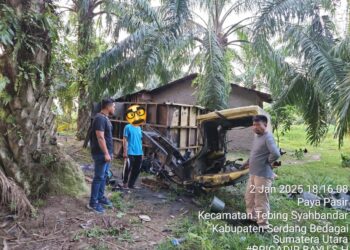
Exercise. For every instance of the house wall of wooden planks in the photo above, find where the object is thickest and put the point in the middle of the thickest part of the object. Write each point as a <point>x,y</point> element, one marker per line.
<point>175,121</point>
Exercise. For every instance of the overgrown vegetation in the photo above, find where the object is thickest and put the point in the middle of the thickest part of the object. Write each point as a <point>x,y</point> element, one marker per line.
<point>117,200</point>
<point>120,203</point>
<point>291,48</point>
<point>299,153</point>
<point>282,118</point>
<point>345,161</point>
<point>30,161</point>
<point>98,233</point>
<point>198,234</point>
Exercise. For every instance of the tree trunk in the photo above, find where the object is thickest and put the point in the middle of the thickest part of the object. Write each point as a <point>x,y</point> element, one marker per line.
<point>85,48</point>
<point>29,156</point>
<point>348,18</point>
<point>84,113</point>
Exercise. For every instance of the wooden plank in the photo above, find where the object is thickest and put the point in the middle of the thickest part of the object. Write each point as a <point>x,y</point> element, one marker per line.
<point>152,114</point>
<point>193,127</point>
<point>162,115</point>
<point>175,116</point>
<point>168,121</point>
<point>183,105</point>
<point>150,124</point>
<point>193,117</point>
<point>175,121</point>
<point>182,131</point>
<point>184,116</point>
<point>192,137</point>
<point>183,138</point>
<point>198,132</point>
<point>157,125</point>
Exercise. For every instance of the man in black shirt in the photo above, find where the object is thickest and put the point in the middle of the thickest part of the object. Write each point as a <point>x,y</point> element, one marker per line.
<point>101,142</point>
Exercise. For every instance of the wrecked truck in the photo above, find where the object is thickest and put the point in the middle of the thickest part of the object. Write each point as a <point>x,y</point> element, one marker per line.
<point>209,167</point>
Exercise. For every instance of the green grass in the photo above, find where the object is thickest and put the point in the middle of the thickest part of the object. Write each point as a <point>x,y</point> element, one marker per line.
<point>310,171</point>
<point>120,203</point>
<point>117,200</point>
<point>97,232</point>
<point>320,166</point>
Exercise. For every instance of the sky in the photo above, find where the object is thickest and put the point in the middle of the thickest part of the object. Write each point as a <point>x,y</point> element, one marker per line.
<point>341,17</point>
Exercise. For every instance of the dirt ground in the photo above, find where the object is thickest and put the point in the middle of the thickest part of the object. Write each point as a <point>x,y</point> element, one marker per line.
<point>64,222</point>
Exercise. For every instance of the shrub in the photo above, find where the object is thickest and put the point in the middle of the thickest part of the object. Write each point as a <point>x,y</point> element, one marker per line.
<point>345,161</point>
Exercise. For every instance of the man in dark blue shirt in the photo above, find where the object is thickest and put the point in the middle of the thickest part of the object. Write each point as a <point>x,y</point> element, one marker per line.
<point>101,143</point>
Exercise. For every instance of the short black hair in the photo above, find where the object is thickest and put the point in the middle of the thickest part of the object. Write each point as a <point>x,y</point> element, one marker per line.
<point>260,118</point>
<point>106,102</point>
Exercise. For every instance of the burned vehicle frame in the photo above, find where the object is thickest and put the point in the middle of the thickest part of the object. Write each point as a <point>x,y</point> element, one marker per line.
<point>209,168</point>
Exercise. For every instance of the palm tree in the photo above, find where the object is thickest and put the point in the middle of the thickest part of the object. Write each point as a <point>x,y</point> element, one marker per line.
<point>161,42</point>
<point>310,67</point>
<point>30,160</point>
<point>301,59</point>
<point>217,38</point>
<point>88,15</point>
<point>152,49</point>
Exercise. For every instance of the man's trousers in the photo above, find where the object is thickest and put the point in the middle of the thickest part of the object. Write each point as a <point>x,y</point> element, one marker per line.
<point>257,199</point>
<point>131,170</point>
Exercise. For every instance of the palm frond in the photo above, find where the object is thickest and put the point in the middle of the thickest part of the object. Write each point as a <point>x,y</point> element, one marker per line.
<point>106,14</point>
<point>315,47</point>
<point>342,108</point>
<point>292,86</point>
<point>311,102</point>
<point>274,14</point>
<point>144,52</point>
<point>174,14</point>
<point>8,25</point>
<point>240,6</point>
<point>342,49</point>
<point>145,10</point>
<point>213,87</point>
<point>236,26</point>
<point>310,80</point>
